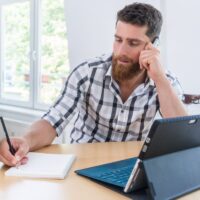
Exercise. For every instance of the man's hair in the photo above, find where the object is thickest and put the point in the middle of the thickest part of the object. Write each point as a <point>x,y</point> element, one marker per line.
<point>142,14</point>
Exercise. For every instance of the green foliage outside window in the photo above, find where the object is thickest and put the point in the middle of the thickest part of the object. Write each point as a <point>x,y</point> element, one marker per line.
<point>53,50</point>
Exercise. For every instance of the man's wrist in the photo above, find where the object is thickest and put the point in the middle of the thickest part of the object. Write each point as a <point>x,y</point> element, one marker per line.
<point>161,80</point>
<point>28,141</point>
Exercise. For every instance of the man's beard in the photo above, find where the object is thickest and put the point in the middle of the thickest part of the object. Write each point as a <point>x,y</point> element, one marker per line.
<point>122,72</point>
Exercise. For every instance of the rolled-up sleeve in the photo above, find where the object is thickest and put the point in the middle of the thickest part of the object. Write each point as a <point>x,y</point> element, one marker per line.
<point>176,84</point>
<point>72,95</point>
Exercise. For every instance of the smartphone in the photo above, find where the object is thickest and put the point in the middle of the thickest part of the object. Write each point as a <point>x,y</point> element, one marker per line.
<point>155,42</point>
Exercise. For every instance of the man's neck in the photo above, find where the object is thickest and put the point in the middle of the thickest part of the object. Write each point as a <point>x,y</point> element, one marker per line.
<point>135,81</point>
<point>128,86</point>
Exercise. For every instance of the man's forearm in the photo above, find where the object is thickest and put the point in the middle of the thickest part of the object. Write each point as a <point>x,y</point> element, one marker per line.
<point>40,134</point>
<point>170,104</point>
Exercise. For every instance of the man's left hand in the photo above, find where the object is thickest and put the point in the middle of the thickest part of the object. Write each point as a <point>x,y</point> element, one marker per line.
<point>150,60</point>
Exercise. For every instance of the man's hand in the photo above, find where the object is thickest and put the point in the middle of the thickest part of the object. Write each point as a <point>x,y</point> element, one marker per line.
<point>21,147</point>
<point>150,60</point>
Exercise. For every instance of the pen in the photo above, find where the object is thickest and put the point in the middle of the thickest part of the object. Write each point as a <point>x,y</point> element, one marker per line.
<point>11,148</point>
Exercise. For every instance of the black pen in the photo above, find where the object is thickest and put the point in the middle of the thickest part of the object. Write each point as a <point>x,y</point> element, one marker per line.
<point>11,148</point>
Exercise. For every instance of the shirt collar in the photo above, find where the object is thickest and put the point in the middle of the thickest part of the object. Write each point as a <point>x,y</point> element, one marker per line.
<point>109,71</point>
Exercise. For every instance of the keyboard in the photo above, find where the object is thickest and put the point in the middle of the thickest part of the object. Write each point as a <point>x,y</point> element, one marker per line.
<point>115,173</point>
<point>119,176</point>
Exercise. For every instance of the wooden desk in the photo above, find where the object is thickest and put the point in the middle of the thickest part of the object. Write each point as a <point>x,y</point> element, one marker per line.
<point>74,187</point>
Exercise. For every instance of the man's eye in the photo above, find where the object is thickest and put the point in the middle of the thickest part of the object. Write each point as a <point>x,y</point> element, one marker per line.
<point>133,44</point>
<point>118,40</point>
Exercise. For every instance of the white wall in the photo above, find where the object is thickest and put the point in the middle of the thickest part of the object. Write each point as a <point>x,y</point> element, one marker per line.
<point>183,41</point>
<point>182,44</point>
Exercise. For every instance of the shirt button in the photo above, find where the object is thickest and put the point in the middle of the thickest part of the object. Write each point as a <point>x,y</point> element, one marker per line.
<point>122,111</point>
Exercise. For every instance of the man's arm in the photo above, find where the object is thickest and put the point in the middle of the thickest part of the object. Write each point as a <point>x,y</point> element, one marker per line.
<point>40,134</point>
<point>170,104</point>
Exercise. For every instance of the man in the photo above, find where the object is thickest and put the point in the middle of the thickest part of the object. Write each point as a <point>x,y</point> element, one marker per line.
<point>116,97</point>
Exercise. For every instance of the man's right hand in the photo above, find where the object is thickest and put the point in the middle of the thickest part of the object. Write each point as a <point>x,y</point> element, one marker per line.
<point>22,148</point>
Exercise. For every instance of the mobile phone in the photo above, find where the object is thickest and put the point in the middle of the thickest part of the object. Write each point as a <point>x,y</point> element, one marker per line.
<point>155,42</point>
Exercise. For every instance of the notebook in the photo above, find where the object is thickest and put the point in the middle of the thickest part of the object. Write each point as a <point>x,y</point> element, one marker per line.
<point>165,136</point>
<point>43,165</point>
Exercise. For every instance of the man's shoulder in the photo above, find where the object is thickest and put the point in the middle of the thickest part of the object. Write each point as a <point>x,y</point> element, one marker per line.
<point>98,65</point>
<point>100,61</point>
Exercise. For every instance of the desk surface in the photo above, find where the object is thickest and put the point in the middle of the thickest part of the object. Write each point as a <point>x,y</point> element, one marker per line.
<point>73,186</point>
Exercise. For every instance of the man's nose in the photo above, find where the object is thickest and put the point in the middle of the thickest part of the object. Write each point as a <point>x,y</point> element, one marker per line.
<point>123,50</point>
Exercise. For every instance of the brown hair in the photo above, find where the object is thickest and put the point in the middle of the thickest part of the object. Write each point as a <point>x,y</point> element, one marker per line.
<point>142,14</point>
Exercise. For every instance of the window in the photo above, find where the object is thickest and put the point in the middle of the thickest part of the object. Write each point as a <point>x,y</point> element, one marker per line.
<point>15,45</point>
<point>34,54</point>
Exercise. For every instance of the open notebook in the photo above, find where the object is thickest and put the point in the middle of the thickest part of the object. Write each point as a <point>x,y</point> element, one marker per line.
<point>43,165</point>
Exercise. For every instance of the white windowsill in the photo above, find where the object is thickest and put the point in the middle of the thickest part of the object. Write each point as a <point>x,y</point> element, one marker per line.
<point>20,114</point>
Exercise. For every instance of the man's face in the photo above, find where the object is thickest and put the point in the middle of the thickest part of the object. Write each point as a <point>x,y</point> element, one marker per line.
<point>130,40</point>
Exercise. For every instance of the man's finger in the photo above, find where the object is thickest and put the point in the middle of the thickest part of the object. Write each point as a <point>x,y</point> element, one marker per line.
<point>147,55</point>
<point>149,46</point>
<point>24,160</point>
<point>145,63</point>
<point>7,162</point>
<point>7,154</point>
<point>21,152</point>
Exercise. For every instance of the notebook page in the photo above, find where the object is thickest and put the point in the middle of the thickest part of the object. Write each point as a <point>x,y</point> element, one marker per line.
<point>42,165</point>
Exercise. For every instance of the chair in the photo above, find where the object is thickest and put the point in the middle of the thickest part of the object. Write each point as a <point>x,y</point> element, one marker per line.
<point>192,102</point>
<point>191,99</point>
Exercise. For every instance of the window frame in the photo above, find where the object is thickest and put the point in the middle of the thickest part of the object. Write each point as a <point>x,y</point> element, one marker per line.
<point>34,57</point>
<point>27,104</point>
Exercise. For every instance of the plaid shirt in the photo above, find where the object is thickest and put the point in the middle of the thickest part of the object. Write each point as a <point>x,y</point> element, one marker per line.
<point>91,92</point>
